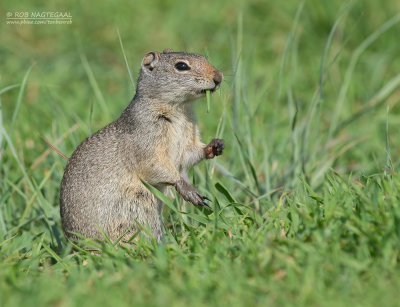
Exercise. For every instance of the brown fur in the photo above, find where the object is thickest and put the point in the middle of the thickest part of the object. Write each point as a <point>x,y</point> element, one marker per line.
<point>154,139</point>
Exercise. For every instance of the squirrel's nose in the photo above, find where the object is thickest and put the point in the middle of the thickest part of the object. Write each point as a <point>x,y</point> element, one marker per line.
<point>218,77</point>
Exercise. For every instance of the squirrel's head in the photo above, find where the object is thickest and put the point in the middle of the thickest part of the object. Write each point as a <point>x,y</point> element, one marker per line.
<point>176,76</point>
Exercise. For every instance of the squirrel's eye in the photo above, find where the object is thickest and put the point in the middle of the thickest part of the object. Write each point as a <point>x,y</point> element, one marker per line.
<point>182,66</point>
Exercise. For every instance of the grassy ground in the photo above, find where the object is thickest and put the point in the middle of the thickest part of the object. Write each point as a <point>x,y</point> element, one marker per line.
<point>306,197</point>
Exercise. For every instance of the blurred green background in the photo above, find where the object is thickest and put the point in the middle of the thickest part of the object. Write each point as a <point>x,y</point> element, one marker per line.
<point>311,94</point>
<point>272,63</point>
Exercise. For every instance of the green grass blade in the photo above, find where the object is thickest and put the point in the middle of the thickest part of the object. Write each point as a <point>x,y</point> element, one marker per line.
<point>19,99</point>
<point>95,86</point>
<point>161,197</point>
<point>208,100</point>
<point>126,60</point>
<point>349,72</point>
<point>55,256</point>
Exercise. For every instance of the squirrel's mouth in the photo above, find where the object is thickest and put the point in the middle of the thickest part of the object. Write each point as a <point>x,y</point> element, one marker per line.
<point>212,90</point>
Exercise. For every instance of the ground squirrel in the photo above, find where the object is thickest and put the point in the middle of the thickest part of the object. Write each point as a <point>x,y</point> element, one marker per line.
<point>154,139</point>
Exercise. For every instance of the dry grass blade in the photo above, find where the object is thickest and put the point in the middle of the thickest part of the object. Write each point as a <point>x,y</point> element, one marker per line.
<point>43,156</point>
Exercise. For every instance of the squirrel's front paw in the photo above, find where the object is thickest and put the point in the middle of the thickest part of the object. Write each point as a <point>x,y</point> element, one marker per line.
<point>190,194</point>
<point>215,148</point>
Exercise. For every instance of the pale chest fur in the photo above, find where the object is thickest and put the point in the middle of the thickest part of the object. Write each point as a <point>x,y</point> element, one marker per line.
<point>184,134</point>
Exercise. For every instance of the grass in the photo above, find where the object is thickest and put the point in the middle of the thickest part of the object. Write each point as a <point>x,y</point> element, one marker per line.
<point>306,197</point>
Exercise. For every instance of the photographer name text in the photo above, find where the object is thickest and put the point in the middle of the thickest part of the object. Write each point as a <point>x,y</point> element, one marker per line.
<point>46,18</point>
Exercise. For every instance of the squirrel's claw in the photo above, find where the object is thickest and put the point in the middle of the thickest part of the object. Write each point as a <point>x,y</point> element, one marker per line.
<point>206,198</point>
<point>214,148</point>
<point>204,204</point>
<point>190,194</point>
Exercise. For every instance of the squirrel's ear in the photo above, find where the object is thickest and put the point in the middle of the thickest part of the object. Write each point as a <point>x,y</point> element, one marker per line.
<point>167,50</point>
<point>150,60</point>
